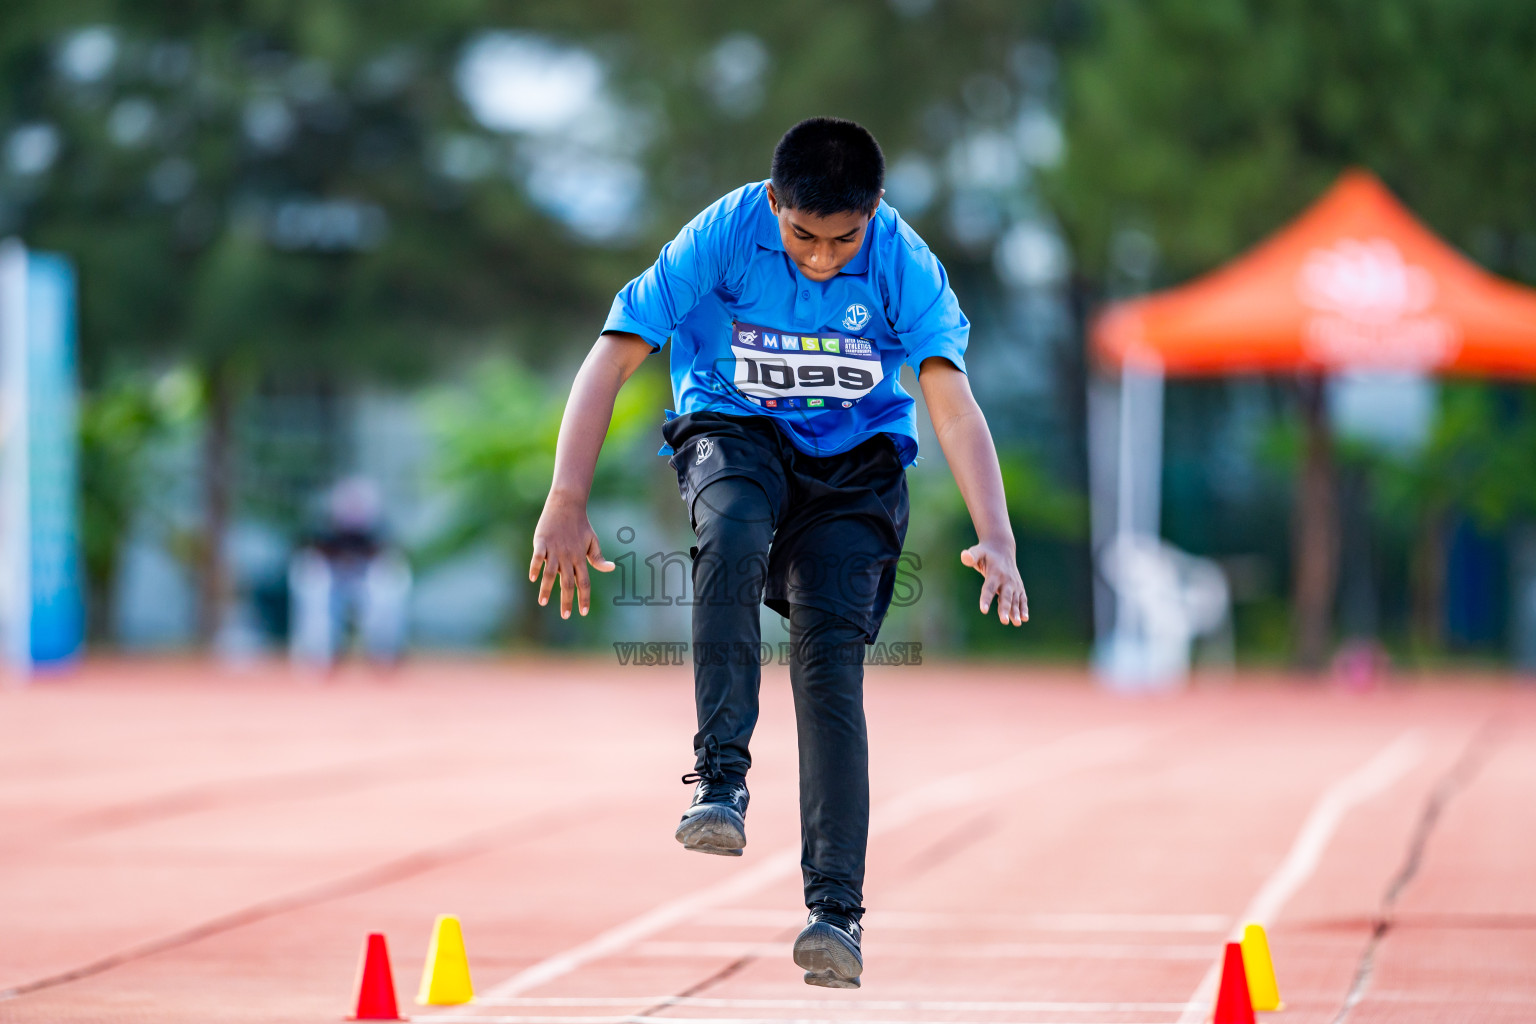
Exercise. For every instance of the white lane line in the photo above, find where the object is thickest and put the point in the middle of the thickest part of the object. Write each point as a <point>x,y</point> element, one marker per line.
<point>1078,751</point>
<point>919,920</point>
<point>850,1005</point>
<point>928,951</point>
<point>1370,779</point>
<point>773,868</point>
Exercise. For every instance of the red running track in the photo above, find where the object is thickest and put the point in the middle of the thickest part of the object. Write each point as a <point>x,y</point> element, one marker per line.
<point>180,844</point>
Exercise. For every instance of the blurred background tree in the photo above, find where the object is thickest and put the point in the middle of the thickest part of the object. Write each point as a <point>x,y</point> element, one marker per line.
<point>496,443</point>
<point>1211,124</point>
<point>1202,127</point>
<point>298,201</point>
<point>123,428</point>
<point>1480,463</point>
<point>270,191</point>
<point>312,195</point>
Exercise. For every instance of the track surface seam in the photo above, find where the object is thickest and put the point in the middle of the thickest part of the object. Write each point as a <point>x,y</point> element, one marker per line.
<point>961,838</point>
<point>151,820</point>
<point>465,847</point>
<point>704,985</point>
<point>1451,785</point>
<point>1367,781</point>
<point>232,793</point>
<point>1073,752</point>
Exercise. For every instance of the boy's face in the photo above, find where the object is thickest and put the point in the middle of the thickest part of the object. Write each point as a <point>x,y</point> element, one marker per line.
<point>820,246</point>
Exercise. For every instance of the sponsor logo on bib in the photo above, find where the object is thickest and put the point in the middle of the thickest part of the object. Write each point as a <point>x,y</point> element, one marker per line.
<point>793,371</point>
<point>858,347</point>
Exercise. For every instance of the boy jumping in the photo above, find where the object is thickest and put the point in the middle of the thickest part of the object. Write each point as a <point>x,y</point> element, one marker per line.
<point>791,305</point>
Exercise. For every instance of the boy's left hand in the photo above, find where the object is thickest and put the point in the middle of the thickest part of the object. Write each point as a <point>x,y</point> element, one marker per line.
<point>1001,572</point>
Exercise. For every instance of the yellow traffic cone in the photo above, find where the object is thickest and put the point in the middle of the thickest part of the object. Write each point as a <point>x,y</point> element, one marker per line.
<point>445,980</point>
<point>1260,970</point>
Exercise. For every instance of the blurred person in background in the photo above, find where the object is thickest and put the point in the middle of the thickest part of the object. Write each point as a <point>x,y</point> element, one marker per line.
<point>348,578</point>
<point>791,305</point>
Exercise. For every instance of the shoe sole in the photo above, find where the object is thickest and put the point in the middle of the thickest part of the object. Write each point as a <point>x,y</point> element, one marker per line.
<point>713,829</point>
<point>828,959</point>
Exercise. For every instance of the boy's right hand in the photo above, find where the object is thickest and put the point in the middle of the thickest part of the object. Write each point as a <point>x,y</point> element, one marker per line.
<point>563,544</point>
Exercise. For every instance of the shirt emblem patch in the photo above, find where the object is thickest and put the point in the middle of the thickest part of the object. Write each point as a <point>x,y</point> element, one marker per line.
<point>855,316</point>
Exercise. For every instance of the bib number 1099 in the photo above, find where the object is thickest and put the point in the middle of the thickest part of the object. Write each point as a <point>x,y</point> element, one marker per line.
<point>792,371</point>
<point>780,376</point>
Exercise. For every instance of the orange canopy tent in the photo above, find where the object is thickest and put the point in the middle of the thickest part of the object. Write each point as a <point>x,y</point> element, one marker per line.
<point>1357,282</point>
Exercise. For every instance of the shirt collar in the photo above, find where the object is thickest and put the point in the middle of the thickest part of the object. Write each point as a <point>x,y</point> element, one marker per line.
<point>768,225</point>
<point>769,238</point>
<point>860,261</point>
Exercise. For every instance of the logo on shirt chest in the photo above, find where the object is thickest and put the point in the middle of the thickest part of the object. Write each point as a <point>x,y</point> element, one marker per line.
<point>855,316</point>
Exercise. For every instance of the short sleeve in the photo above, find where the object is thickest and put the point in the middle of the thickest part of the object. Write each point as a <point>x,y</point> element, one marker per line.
<point>927,316</point>
<point>690,266</point>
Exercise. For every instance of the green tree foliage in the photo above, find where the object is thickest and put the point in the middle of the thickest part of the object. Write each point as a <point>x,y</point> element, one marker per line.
<point>1213,122</point>
<point>273,189</point>
<point>122,428</point>
<point>1050,522</point>
<point>261,188</point>
<point>1479,461</point>
<point>303,186</point>
<point>916,79</point>
<point>495,438</point>
<point>1210,123</point>
<point>264,184</point>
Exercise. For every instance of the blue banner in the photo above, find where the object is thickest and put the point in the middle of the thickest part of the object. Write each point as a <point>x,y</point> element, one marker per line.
<point>58,613</point>
<point>42,614</point>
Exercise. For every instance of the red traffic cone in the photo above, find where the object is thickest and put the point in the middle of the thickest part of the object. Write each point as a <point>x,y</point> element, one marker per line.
<point>375,983</point>
<point>1233,1005</point>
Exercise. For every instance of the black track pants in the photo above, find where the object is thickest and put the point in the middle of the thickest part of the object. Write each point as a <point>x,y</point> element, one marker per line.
<point>733,518</point>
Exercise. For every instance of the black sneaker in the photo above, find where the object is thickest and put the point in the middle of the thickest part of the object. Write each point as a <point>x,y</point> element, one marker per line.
<point>828,948</point>
<point>716,821</point>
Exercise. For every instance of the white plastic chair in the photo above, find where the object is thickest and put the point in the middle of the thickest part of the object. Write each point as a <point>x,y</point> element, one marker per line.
<point>1165,600</point>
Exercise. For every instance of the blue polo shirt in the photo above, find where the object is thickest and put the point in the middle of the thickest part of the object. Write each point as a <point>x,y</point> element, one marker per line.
<point>752,337</point>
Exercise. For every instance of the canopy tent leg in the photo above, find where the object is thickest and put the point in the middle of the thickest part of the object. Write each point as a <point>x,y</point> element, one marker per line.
<point>1126,469</point>
<point>1315,566</point>
<point>1103,410</point>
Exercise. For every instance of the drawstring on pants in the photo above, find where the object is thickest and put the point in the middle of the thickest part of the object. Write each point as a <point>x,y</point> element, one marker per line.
<point>710,770</point>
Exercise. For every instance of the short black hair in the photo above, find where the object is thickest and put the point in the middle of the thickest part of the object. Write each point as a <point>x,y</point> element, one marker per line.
<point>826,165</point>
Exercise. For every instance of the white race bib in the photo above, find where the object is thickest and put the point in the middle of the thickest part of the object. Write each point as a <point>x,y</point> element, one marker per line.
<point>780,370</point>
